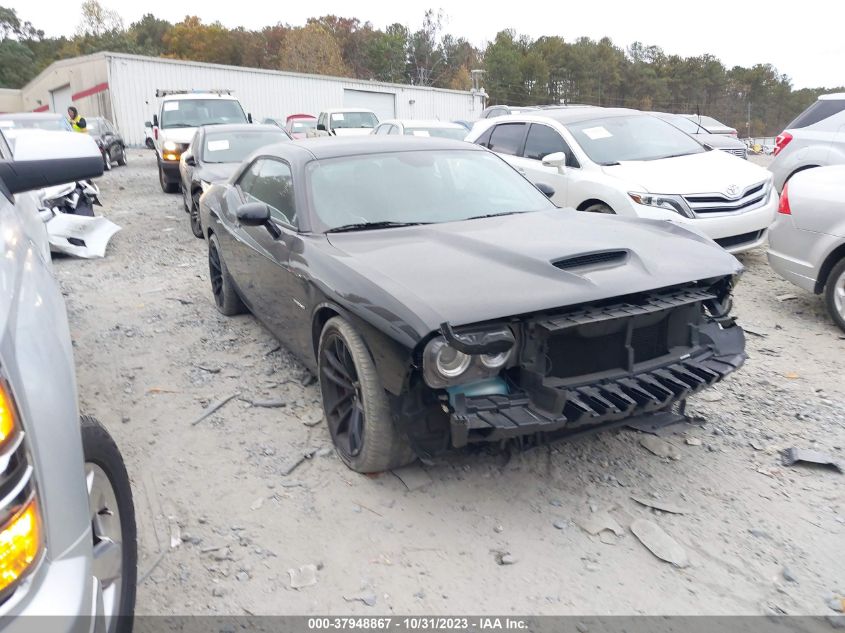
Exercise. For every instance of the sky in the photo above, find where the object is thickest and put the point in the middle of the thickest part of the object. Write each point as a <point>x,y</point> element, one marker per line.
<point>802,40</point>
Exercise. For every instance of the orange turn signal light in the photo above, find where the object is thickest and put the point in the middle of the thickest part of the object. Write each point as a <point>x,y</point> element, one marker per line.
<point>20,540</point>
<point>7,415</point>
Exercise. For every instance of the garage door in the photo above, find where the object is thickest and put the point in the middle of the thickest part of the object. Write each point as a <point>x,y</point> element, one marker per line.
<point>382,103</point>
<point>60,99</point>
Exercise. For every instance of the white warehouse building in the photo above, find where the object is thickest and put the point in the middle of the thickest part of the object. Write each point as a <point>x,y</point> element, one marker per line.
<point>122,88</point>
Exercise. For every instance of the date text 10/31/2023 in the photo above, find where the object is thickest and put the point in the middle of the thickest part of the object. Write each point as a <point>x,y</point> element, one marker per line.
<point>417,623</point>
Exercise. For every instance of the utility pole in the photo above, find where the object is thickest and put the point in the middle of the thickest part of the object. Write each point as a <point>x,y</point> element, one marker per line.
<point>748,122</point>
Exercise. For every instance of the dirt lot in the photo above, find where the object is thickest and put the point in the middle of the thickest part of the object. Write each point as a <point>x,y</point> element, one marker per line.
<point>220,524</point>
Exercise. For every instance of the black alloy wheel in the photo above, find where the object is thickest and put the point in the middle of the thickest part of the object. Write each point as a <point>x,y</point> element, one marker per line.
<point>196,224</point>
<point>342,398</point>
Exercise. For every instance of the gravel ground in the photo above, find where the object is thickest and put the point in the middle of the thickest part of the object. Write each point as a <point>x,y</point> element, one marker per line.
<point>221,524</point>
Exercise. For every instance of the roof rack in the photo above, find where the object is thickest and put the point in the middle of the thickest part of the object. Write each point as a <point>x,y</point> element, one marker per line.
<point>160,92</point>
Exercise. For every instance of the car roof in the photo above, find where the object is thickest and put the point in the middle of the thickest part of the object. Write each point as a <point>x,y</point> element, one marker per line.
<point>31,115</point>
<point>198,95</point>
<point>343,110</point>
<point>241,127</point>
<point>291,117</point>
<point>336,147</point>
<point>574,115</point>
<point>832,96</point>
<point>422,123</point>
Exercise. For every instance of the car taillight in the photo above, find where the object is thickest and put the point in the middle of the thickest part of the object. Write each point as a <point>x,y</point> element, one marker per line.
<point>155,133</point>
<point>782,141</point>
<point>783,205</point>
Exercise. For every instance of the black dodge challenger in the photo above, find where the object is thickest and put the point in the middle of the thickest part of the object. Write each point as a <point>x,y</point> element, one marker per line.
<point>442,299</point>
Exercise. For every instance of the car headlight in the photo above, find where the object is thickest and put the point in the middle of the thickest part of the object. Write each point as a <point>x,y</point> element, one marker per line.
<point>445,366</point>
<point>672,203</point>
<point>205,185</point>
<point>170,146</point>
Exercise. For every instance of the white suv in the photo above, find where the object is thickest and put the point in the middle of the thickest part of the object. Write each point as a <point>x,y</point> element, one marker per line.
<point>614,160</point>
<point>180,114</point>
<point>815,138</point>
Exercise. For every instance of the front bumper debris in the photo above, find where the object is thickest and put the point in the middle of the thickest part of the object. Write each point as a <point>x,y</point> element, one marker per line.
<point>604,403</point>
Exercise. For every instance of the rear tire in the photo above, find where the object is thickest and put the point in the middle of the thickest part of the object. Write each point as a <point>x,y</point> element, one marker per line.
<point>834,294</point>
<point>222,287</point>
<point>122,158</point>
<point>112,517</point>
<point>194,212</point>
<point>355,403</point>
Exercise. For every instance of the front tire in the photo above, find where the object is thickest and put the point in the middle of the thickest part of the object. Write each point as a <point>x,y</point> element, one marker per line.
<point>834,294</point>
<point>222,287</point>
<point>114,533</point>
<point>599,207</point>
<point>166,185</point>
<point>355,403</point>
<point>196,223</point>
<point>122,158</point>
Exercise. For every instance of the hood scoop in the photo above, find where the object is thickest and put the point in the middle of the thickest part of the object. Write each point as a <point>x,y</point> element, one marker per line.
<point>592,260</point>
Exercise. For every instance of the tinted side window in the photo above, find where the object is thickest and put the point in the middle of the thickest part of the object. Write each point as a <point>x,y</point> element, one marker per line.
<point>484,139</point>
<point>819,111</point>
<point>507,138</point>
<point>542,141</point>
<point>270,181</point>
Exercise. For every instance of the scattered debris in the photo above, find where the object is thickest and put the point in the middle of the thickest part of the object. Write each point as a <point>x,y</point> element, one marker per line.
<point>561,525</point>
<point>314,420</point>
<point>414,477</point>
<point>754,330</point>
<point>212,408</point>
<point>368,599</point>
<point>659,543</point>
<point>210,370</point>
<point>212,548</point>
<point>218,592</point>
<point>788,576</point>
<point>307,379</point>
<point>659,447</point>
<point>273,350</point>
<point>786,297</point>
<point>711,395</point>
<point>269,404</point>
<point>598,522</point>
<point>256,505</point>
<point>175,535</point>
<point>758,533</point>
<point>792,455</point>
<point>661,505</point>
<point>505,558</point>
<point>757,446</point>
<point>608,538</point>
<point>361,505</point>
<point>837,604</point>
<point>791,375</point>
<point>290,464</point>
<point>304,576</point>
<point>693,441</point>
<point>498,529</point>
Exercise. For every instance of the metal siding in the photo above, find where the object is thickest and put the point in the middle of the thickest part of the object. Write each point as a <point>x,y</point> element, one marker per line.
<point>134,80</point>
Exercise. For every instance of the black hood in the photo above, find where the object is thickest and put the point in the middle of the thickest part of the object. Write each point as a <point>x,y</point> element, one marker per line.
<point>479,270</point>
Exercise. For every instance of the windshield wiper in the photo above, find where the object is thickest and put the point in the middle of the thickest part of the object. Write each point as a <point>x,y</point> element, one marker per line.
<point>493,215</point>
<point>366,226</point>
<point>613,164</point>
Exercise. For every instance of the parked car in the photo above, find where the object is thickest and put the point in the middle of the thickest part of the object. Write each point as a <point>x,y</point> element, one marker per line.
<point>345,122</point>
<point>67,523</point>
<point>716,141</point>
<point>108,139</point>
<point>815,138</point>
<point>467,125</point>
<point>299,125</point>
<point>613,160</point>
<point>11,123</point>
<point>408,127</point>
<point>807,240</point>
<point>216,151</point>
<point>180,113</point>
<point>442,299</point>
<point>491,112</point>
<point>712,125</point>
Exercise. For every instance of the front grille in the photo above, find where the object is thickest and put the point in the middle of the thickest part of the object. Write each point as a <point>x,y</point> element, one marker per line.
<point>739,240</point>
<point>591,259</point>
<point>718,203</point>
<point>736,152</point>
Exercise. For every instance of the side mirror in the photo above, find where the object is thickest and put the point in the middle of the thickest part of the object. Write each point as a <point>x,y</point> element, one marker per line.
<point>547,190</point>
<point>249,117</point>
<point>557,159</point>
<point>46,159</point>
<point>155,120</point>
<point>190,160</point>
<point>321,127</point>
<point>253,214</point>
<point>148,124</point>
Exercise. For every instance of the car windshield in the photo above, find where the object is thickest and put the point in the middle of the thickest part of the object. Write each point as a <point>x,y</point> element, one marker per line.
<point>454,133</point>
<point>418,187</point>
<point>353,119</point>
<point>233,147</point>
<point>196,112</point>
<point>610,141</point>
<point>58,124</point>
<point>682,123</point>
<point>303,125</point>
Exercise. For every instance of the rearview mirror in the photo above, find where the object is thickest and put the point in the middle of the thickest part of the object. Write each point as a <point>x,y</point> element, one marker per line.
<point>547,190</point>
<point>321,127</point>
<point>253,214</point>
<point>45,159</point>
<point>249,117</point>
<point>557,159</point>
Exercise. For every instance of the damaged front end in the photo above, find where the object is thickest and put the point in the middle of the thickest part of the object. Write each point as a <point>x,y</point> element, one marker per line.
<point>562,372</point>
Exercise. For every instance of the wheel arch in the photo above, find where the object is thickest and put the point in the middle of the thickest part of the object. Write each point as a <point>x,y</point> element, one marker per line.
<point>833,258</point>
<point>588,203</point>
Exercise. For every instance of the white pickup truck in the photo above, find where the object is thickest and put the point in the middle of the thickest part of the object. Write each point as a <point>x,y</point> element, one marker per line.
<point>345,122</point>
<point>180,113</point>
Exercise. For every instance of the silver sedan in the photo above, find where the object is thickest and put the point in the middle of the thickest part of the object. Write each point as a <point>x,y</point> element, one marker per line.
<point>807,240</point>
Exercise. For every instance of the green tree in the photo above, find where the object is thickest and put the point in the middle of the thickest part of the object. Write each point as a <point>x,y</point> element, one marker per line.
<point>312,49</point>
<point>387,54</point>
<point>148,33</point>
